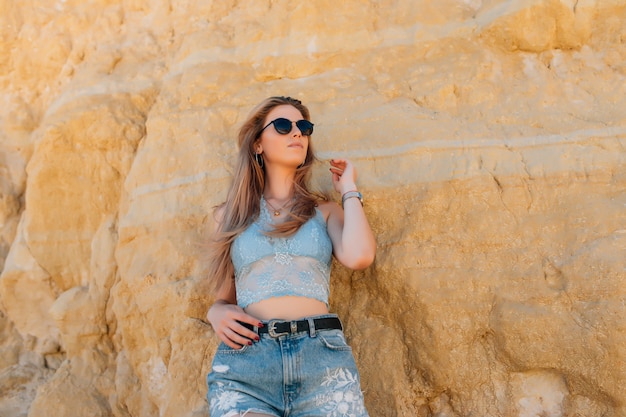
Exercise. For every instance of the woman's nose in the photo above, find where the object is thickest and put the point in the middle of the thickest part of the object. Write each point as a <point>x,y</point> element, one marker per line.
<point>295,130</point>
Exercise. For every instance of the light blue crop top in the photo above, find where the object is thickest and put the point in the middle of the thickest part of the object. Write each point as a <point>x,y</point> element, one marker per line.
<point>267,267</point>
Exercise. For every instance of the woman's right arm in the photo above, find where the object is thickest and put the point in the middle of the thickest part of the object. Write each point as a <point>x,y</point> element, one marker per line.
<point>226,316</point>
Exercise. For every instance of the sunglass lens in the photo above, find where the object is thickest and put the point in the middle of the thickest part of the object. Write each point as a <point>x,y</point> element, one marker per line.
<point>282,126</point>
<point>306,127</point>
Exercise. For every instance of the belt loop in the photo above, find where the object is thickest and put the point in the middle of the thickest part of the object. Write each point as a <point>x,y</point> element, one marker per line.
<point>311,326</point>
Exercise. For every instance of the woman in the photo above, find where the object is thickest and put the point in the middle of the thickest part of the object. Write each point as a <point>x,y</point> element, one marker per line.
<point>282,352</point>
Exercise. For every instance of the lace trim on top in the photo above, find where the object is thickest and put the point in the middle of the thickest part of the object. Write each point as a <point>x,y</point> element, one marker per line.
<point>267,267</point>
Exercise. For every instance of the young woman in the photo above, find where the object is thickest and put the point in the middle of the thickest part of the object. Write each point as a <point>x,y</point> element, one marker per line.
<point>282,352</point>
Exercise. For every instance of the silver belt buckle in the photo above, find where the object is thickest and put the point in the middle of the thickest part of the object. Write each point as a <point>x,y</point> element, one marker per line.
<point>271,329</point>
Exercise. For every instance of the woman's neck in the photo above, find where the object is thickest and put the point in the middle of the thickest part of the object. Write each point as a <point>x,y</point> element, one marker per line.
<point>279,184</point>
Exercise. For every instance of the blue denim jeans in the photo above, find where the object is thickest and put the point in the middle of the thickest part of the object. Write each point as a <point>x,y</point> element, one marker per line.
<point>305,374</point>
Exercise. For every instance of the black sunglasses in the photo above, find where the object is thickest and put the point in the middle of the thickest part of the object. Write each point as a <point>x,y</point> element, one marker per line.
<point>283,126</point>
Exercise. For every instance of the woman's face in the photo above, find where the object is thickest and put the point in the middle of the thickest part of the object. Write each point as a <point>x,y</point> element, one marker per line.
<point>288,150</point>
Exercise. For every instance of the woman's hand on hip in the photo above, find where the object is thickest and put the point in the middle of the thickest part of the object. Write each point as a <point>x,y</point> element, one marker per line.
<point>226,319</point>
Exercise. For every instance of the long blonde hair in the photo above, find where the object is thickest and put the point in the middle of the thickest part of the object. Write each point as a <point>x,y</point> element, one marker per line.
<point>242,204</point>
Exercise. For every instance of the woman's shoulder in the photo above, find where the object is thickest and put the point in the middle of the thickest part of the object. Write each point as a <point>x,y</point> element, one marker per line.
<point>328,208</point>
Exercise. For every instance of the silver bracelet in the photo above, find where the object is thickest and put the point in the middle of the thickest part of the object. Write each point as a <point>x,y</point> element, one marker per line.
<point>351,194</point>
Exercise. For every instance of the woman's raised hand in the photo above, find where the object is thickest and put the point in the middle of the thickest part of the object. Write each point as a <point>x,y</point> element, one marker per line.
<point>344,175</point>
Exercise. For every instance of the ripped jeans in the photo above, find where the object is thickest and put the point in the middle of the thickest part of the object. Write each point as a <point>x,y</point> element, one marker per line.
<point>305,374</point>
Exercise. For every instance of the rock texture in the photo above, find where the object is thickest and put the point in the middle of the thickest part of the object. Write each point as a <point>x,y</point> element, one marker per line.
<point>490,138</point>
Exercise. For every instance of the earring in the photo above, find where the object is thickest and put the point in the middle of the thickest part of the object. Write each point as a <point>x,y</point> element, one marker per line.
<point>259,159</point>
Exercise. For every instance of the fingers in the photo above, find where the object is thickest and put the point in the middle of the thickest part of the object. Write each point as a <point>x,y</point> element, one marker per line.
<point>246,318</point>
<point>244,331</point>
<point>338,166</point>
<point>338,162</point>
<point>238,337</point>
<point>343,172</point>
<point>227,323</point>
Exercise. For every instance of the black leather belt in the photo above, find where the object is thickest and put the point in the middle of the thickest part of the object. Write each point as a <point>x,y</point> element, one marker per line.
<point>277,328</point>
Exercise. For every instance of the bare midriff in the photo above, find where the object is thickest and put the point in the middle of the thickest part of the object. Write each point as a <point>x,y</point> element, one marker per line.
<point>286,308</point>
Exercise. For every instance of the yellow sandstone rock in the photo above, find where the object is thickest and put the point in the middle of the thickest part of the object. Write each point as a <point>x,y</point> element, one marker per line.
<point>490,140</point>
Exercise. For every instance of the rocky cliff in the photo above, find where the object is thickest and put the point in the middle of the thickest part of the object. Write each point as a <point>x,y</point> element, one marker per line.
<point>490,140</point>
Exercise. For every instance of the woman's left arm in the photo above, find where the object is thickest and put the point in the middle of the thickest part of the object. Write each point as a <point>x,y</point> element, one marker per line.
<point>353,241</point>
